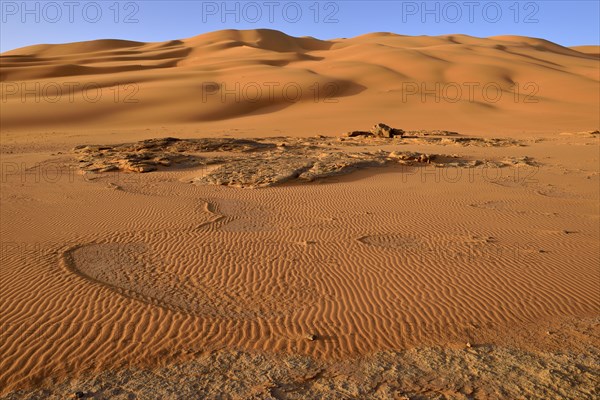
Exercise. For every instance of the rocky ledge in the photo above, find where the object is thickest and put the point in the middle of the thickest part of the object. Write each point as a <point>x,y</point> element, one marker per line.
<point>266,162</point>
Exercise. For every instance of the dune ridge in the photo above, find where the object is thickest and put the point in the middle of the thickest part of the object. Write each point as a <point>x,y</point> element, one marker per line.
<point>244,77</point>
<point>170,228</point>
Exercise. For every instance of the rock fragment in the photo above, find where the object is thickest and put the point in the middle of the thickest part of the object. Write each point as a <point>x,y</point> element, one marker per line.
<point>358,133</point>
<point>383,130</point>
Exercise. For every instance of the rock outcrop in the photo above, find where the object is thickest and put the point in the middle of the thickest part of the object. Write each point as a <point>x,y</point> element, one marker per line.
<point>383,130</point>
<point>380,130</point>
<point>266,162</point>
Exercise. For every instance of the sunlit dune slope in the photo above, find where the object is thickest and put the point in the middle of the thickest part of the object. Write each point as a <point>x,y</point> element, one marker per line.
<point>503,83</point>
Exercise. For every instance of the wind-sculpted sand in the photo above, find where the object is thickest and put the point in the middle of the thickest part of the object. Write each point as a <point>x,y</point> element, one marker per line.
<point>423,373</point>
<point>264,82</point>
<point>422,243</point>
<point>192,244</point>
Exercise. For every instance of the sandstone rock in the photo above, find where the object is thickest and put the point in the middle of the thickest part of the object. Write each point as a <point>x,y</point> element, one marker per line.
<point>424,158</point>
<point>406,156</point>
<point>109,168</point>
<point>358,133</point>
<point>494,164</point>
<point>163,161</point>
<point>527,161</point>
<point>383,130</point>
<point>256,163</point>
<point>423,133</point>
<point>142,168</point>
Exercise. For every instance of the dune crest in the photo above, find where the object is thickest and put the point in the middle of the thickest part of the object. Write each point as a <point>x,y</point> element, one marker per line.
<point>245,76</point>
<point>219,214</point>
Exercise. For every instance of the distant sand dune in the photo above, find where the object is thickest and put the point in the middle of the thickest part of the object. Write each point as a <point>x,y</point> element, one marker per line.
<point>126,249</point>
<point>245,76</point>
<point>590,50</point>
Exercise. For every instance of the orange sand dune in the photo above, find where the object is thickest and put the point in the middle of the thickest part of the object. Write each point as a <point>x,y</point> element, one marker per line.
<point>478,262</point>
<point>592,50</point>
<point>504,83</point>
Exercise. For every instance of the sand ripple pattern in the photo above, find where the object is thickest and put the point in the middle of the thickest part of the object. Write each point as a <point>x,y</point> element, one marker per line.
<point>369,262</point>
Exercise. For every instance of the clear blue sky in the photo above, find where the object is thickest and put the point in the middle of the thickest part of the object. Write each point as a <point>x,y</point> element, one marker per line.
<point>31,22</point>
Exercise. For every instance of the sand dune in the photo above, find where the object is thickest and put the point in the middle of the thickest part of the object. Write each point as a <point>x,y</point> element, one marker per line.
<point>243,77</point>
<point>174,231</point>
<point>591,50</point>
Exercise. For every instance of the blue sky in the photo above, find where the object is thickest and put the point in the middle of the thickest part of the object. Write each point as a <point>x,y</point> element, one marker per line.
<point>31,22</point>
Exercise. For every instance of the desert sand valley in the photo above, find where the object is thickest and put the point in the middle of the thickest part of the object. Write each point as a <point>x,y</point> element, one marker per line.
<point>221,217</point>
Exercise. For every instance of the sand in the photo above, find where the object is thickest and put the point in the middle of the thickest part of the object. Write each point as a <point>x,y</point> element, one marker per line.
<point>179,240</point>
<point>422,373</point>
<point>267,83</point>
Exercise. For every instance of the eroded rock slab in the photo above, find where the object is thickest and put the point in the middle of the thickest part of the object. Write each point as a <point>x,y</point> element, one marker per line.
<point>273,169</point>
<point>256,163</point>
<point>149,155</point>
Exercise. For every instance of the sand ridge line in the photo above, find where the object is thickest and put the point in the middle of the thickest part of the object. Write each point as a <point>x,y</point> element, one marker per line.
<point>68,264</point>
<point>192,299</point>
<point>213,208</point>
<point>183,82</point>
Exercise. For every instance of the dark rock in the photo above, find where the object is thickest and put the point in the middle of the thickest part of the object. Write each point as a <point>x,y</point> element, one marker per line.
<point>383,130</point>
<point>109,168</point>
<point>311,337</point>
<point>424,158</point>
<point>142,168</point>
<point>358,133</point>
